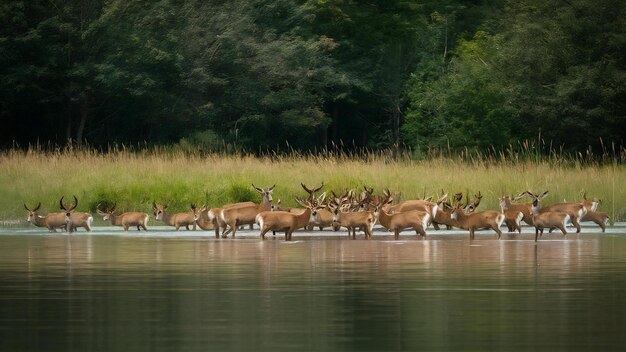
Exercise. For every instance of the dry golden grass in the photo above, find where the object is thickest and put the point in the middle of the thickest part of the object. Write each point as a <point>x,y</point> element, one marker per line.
<point>133,179</point>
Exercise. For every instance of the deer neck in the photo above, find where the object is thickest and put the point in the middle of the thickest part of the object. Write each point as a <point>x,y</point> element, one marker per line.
<point>116,220</point>
<point>167,218</point>
<point>265,205</point>
<point>384,218</point>
<point>39,221</point>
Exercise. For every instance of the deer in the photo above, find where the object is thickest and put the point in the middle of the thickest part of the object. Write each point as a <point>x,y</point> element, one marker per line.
<point>214,216</point>
<point>444,210</point>
<point>202,219</point>
<point>178,219</point>
<point>322,217</point>
<point>514,214</point>
<point>52,221</point>
<point>352,220</point>
<point>512,208</point>
<point>77,220</point>
<point>599,217</point>
<point>574,210</point>
<point>409,220</point>
<point>543,219</point>
<point>418,204</point>
<point>489,219</point>
<point>237,215</point>
<point>287,221</point>
<point>125,220</point>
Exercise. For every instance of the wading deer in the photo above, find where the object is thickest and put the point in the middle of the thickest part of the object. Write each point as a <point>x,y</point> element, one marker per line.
<point>52,221</point>
<point>511,209</point>
<point>364,220</point>
<point>408,220</point>
<point>177,220</point>
<point>599,217</point>
<point>77,219</point>
<point>543,219</point>
<point>418,204</point>
<point>574,210</point>
<point>125,220</point>
<point>236,216</point>
<point>286,221</point>
<point>489,219</point>
<point>203,221</point>
<point>322,217</point>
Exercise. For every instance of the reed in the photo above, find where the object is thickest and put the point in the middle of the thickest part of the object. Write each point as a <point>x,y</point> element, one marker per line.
<point>132,178</point>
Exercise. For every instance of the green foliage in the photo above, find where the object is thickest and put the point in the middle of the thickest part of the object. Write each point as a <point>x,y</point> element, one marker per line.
<point>240,192</point>
<point>306,75</point>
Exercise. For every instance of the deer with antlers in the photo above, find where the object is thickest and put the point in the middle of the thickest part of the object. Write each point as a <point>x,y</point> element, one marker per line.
<point>546,219</point>
<point>52,221</point>
<point>126,220</point>
<point>288,221</point>
<point>489,219</point>
<point>322,217</point>
<point>343,217</point>
<point>76,219</point>
<point>416,220</point>
<point>574,210</point>
<point>237,215</point>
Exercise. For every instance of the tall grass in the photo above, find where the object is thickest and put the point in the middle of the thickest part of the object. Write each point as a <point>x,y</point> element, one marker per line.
<point>132,179</point>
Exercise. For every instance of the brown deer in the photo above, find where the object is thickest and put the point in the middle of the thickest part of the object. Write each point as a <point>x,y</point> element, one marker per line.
<point>408,220</point>
<point>237,215</point>
<point>77,219</point>
<point>322,217</point>
<point>203,221</point>
<point>574,210</point>
<point>489,219</point>
<point>364,220</point>
<point>178,219</point>
<point>52,221</point>
<point>543,219</point>
<point>125,220</point>
<point>513,214</point>
<point>286,221</point>
<point>512,208</point>
<point>599,217</point>
<point>418,204</point>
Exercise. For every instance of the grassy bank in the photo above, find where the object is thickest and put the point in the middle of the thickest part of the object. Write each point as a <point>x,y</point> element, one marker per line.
<point>134,179</point>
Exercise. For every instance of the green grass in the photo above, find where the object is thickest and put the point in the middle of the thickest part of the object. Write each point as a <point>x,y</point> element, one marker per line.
<point>133,179</point>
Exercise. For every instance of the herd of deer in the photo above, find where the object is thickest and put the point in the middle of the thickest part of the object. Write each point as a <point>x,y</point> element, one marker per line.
<point>348,210</point>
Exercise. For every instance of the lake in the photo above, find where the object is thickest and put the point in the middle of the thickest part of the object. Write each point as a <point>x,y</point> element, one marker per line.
<point>187,291</point>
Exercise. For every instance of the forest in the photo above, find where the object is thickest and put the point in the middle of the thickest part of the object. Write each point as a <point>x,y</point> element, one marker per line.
<point>306,75</point>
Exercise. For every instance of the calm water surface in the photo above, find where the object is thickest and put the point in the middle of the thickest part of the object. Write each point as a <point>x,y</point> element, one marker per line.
<point>115,291</point>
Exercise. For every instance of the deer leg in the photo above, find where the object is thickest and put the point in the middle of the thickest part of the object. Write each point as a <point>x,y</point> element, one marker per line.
<point>536,233</point>
<point>602,225</point>
<point>562,228</point>
<point>263,232</point>
<point>498,231</point>
<point>576,224</point>
<point>436,226</point>
<point>126,227</point>
<point>471,231</point>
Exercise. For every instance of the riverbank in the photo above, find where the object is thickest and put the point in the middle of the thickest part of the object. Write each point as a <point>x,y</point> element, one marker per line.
<point>132,180</point>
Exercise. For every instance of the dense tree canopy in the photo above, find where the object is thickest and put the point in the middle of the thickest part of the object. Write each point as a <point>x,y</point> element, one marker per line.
<point>268,75</point>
